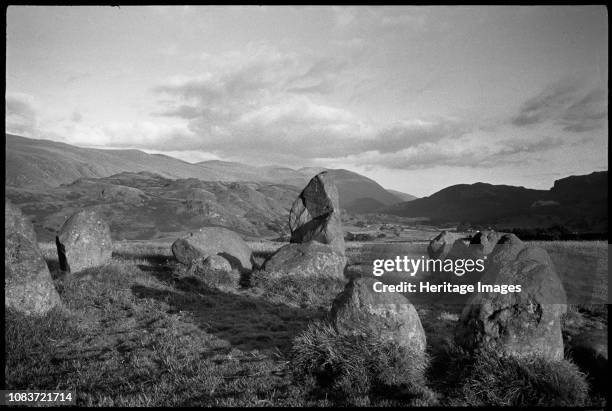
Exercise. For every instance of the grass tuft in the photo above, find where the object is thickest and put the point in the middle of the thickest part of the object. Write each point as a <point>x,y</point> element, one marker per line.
<point>358,368</point>
<point>489,379</point>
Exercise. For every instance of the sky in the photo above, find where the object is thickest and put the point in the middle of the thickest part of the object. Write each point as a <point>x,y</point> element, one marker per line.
<point>416,97</point>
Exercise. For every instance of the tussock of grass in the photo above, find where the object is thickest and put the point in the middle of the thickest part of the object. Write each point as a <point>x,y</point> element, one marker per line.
<point>358,367</point>
<point>307,292</point>
<point>489,379</point>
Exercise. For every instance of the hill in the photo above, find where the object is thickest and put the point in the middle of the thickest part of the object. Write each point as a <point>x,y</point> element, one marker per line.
<point>401,195</point>
<point>578,202</point>
<point>42,164</point>
<point>148,206</point>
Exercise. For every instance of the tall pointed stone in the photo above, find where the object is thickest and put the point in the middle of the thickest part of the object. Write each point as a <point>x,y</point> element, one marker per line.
<point>315,214</point>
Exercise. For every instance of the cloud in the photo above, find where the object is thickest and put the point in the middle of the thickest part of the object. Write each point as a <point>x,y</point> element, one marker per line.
<point>414,132</point>
<point>267,105</point>
<point>381,18</point>
<point>257,106</point>
<point>570,104</point>
<point>461,152</point>
<point>588,113</point>
<point>21,114</point>
<point>76,117</point>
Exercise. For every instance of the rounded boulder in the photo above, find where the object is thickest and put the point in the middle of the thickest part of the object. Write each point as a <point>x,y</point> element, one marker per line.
<point>16,222</point>
<point>28,286</point>
<point>516,323</point>
<point>311,259</point>
<point>210,241</point>
<point>84,241</point>
<point>390,315</point>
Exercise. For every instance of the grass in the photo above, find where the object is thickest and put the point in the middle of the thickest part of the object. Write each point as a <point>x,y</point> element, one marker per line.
<point>316,293</point>
<point>488,379</point>
<point>355,369</point>
<point>136,332</point>
<point>520,382</point>
<point>582,266</point>
<point>144,331</point>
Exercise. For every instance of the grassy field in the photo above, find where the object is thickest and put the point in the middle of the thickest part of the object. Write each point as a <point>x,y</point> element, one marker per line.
<point>144,331</point>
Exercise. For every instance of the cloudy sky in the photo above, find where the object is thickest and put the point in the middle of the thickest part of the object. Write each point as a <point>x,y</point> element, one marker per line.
<point>418,98</point>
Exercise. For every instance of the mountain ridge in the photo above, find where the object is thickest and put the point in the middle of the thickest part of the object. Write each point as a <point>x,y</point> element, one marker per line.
<point>579,202</point>
<point>41,164</point>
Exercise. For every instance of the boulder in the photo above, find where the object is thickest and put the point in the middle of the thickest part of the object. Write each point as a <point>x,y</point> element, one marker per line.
<point>216,263</point>
<point>485,241</point>
<point>315,214</point>
<point>209,241</point>
<point>390,315</point>
<point>441,244</point>
<point>84,241</point>
<point>214,271</point>
<point>453,246</point>
<point>311,259</point>
<point>16,222</point>
<point>520,323</point>
<point>28,287</point>
<point>461,249</point>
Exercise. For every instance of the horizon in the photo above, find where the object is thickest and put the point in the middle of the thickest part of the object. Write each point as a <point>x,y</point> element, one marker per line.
<point>416,98</point>
<point>301,168</point>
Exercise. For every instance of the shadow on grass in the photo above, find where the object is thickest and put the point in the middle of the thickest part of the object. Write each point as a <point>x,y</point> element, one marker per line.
<point>156,259</point>
<point>247,323</point>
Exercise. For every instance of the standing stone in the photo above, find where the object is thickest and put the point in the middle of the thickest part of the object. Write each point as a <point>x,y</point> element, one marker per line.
<point>28,286</point>
<point>440,245</point>
<point>311,259</point>
<point>16,222</point>
<point>84,241</point>
<point>212,241</point>
<point>315,214</point>
<point>521,323</point>
<point>485,241</point>
<point>389,315</point>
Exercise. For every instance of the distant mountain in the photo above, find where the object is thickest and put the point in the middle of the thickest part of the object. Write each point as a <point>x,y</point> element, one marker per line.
<point>40,164</point>
<point>233,171</point>
<point>360,194</point>
<point>402,196</point>
<point>578,202</point>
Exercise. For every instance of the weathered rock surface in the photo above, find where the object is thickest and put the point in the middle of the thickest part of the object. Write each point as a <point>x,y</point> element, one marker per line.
<point>214,271</point>
<point>216,263</point>
<point>441,244</point>
<point>485,241</point>
<point>311,259</point>
<point>84,241</point>
<point>390,315</point>
<point>214,241</point>
<point>16,222</point>
<point>461,249</point>
<point>453,246</point>
<point>315,214</point>
<point>522,323</point>
<point>28,286</point>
